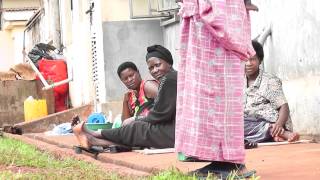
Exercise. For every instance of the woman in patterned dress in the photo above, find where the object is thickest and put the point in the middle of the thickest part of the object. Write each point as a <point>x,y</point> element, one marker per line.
<point>215,40</point>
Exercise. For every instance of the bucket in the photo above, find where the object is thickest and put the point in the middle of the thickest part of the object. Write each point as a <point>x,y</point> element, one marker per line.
<point>34,109</point>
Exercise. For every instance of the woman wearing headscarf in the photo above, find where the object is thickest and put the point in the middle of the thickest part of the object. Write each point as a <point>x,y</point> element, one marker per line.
<point>157,129</point>
<point>215,39</point>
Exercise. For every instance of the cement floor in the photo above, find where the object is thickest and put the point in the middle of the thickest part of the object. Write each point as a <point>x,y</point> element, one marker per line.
<point>292,161</point>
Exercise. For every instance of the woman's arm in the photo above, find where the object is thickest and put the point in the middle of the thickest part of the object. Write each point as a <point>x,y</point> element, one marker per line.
<point>165,103</point>
<point>277,127</point>
<point>229,23</point>
<point>151,88</point>
<point>125,107</point>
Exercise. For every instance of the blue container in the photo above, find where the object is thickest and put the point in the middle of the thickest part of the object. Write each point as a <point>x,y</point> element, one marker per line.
<point>97,118</point>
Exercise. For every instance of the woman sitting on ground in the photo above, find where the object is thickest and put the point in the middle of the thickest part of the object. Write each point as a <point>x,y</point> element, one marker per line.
<point>141,93</point>
<point>266,109</point>
<point>157,129</point>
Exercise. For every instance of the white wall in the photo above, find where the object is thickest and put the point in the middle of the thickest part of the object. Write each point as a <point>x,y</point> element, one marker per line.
<point>10,48</point>
<point>171,40</point>
<point>75,37</point>
<point>6,50</point>
<point>78,53</point>
<point>292,53</point>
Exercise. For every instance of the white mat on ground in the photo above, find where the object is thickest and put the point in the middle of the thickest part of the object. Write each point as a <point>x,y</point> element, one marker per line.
<point>283,143</point>
<point>155,151</point>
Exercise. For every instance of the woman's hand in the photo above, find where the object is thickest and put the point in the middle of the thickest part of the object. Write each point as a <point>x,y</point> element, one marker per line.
<point>276,130</point>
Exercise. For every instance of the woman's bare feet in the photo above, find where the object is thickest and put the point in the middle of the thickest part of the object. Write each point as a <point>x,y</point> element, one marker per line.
<point>278,139</point>
<point>293,136</point>
<point>81,135</point>
<point>287,135</point>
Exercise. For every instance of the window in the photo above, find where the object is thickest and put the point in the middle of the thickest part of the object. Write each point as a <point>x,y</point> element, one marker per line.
<point>152,8</point>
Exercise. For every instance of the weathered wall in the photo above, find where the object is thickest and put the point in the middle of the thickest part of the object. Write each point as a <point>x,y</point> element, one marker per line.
<point>292,53</point>
<point>11,48</point>
<point>48,122</point>
<point>172,41</point>
<point>123,41</point>
<point>75,38</point>
<point>119,10</point>
<point>12,96</point>
<point>115,10</point>
<point>6,50</point>
<point>20,3</point>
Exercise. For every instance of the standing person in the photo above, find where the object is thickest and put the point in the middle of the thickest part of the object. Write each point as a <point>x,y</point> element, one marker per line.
<point>215,39</point>
<point>157,129</point>
<point>141,93</point>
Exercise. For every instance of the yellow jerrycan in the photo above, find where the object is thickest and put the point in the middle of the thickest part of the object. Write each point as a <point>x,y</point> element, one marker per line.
<point>34,109</point>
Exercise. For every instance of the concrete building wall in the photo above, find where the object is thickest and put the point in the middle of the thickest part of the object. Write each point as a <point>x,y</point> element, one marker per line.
<point>292,53</point>
<point>17,34</point>
<point>119,10</point>
<point>79,56</point>
<point>12,96</point>
<point>6,50</point>
<point>127,41</point>
<point>20,3</point>
<point>11,38</point>
<point>74,32</point>
<point>172,41</point>
<point>11,47</point>
<point>115,10</point>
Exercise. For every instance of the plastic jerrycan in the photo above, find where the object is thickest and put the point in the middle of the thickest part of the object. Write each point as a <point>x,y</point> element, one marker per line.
<point>34,109</point>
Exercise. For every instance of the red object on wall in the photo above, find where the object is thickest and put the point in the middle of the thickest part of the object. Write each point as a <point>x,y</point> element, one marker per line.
<point>56,70</point>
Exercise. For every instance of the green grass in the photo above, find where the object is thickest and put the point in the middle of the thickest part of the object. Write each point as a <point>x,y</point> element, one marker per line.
<point>174,174</point>
<point>14,153</point>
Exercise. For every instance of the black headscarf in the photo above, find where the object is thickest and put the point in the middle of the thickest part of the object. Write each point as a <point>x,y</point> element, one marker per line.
<point>159,52</point>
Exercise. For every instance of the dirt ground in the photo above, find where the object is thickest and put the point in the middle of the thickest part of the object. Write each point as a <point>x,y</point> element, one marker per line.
<point>19,169</point>
<point>292,162</point>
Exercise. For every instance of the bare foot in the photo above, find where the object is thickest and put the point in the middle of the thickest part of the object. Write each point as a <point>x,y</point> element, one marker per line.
<point>278,139</point>
<point>81,135</point>
<point>293,137</point>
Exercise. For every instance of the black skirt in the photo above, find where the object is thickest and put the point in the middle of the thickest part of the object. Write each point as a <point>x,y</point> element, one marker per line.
<point>143,134</point>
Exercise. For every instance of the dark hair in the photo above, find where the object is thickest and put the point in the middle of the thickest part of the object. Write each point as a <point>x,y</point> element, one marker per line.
<point>125,65</point>
<point>159,52</point>
<point>259,49</point>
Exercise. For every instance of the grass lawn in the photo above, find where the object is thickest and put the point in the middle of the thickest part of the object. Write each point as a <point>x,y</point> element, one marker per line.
<point>23,161</point>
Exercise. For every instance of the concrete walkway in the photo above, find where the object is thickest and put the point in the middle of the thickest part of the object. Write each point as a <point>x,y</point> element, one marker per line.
<point>292,162</point>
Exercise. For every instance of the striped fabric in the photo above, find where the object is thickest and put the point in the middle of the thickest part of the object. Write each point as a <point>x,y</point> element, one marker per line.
<point>140,105</point>
<point>215,37</point>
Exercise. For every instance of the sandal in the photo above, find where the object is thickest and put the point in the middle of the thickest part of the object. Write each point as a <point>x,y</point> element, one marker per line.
<point>250,145</point>
<point>224,170</point>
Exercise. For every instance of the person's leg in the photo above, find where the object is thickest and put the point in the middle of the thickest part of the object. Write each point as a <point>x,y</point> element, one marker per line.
<point>88,138</point>
<point>142,134</point>
<point>256,130</point>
